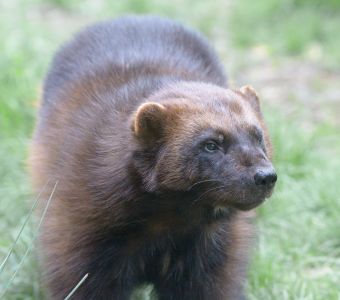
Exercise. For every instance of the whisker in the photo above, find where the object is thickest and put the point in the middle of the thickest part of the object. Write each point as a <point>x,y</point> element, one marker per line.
<point>208,191</point>
<point>202,181</point>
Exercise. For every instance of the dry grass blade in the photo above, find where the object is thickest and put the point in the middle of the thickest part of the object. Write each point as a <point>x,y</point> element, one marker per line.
<point>2,266</point>
<point>29,249</point>
<point>76,287</point>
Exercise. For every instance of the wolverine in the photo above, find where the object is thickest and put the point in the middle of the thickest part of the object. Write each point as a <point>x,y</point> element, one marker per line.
<point>157,166</point>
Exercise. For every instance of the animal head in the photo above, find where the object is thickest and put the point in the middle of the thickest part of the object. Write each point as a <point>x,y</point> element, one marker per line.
<point>203,138</point>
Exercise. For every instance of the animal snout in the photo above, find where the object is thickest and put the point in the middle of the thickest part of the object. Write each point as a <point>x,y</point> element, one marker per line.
<point>265,177</point>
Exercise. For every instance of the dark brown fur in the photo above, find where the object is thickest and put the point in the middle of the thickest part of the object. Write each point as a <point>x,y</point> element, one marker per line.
<point>123,105</point>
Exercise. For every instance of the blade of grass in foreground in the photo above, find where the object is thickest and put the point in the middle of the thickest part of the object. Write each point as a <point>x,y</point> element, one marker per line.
<point>29,249</point>
<point>76,287</point>
<point>2,266</point>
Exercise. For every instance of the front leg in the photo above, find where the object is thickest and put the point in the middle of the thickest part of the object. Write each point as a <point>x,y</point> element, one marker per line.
<point>202,275</point>
<point>104,281</point>
<point>206,287</point>
<point>97,289</point>
<point>209,266</point>
<point>111,274</point>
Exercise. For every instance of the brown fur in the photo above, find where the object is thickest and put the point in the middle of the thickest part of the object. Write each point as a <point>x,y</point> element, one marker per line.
<point>137,199</point>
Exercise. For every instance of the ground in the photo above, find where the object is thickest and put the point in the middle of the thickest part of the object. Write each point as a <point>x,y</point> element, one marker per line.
<point>288,50</point>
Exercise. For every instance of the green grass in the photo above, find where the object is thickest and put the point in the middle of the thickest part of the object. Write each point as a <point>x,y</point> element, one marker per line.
<point>299,243</point>
<point>306,28</point>
<point>298,252</point>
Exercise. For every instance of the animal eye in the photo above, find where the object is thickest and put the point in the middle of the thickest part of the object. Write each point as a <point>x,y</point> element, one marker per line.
<point>258,135</point>
<point>211,147</point>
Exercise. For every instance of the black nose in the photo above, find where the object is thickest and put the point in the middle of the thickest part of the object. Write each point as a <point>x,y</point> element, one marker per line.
<point>265,177</point>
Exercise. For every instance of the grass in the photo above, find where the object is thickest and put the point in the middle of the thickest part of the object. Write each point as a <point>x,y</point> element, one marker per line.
<point>298,252</point>
<point>305,28</point>
<point>299,247</point>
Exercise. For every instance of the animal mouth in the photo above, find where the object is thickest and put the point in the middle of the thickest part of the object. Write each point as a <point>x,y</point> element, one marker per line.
<point>247,205</point>
<point>245,199</point>
<point>256,200</point>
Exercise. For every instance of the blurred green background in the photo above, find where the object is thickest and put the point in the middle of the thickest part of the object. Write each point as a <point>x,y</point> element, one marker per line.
<point>288,50</point>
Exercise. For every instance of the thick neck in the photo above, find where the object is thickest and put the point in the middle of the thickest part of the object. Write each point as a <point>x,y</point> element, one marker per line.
<point>176,211</point>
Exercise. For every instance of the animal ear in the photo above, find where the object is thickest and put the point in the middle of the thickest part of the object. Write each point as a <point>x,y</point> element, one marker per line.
<point>250,94</point>
<point>148,120</point>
